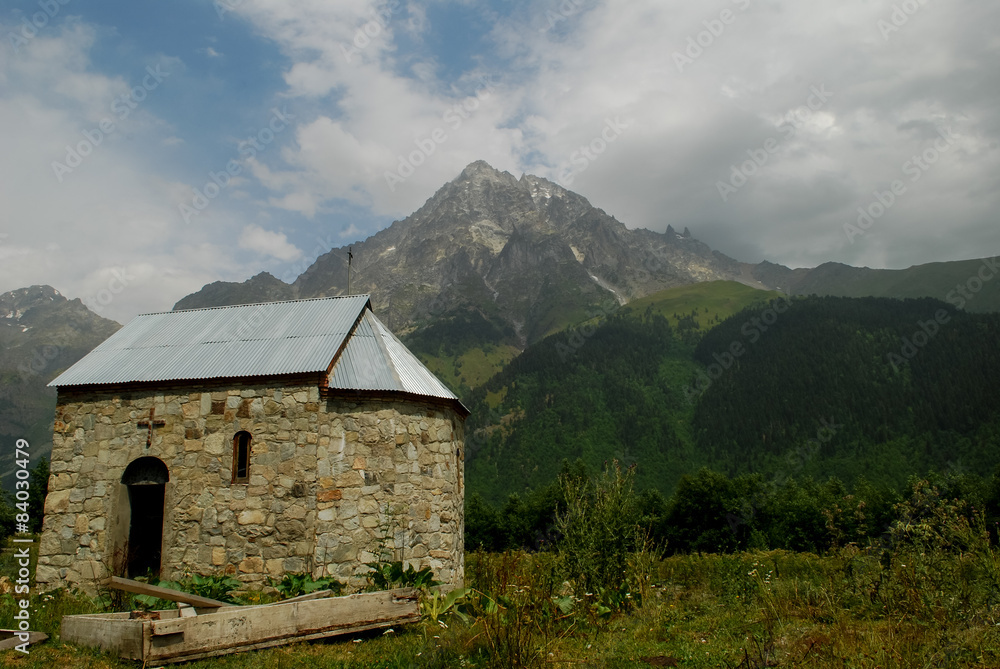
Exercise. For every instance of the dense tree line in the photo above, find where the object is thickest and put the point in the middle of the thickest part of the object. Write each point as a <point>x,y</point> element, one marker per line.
<point>714,513</point>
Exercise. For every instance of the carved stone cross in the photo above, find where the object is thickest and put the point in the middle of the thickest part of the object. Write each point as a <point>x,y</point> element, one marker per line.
<point>150,423</point>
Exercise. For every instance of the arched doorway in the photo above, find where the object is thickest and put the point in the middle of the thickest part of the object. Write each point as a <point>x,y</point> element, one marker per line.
<point>146,479</point>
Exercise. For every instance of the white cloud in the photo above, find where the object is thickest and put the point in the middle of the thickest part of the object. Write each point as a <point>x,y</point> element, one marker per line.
<point>109,232</point>
<point>368,103</point>
<point>265,242</point>
<point>685,129</point>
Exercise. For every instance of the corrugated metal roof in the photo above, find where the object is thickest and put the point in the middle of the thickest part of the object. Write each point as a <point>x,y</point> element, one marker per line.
<point>299,336</point>
<point>414,377</point>
<point>374,359</point>
<point>252,340</point>
<point>363,365</point>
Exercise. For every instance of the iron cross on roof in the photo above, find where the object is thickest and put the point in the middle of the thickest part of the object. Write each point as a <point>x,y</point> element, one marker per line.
<point>150,423</point>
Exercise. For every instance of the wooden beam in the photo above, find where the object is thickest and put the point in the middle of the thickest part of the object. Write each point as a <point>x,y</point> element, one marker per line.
<point>9,639</point>
<point>319,594</point>
<point>240,628</point>
<point>128,585</point>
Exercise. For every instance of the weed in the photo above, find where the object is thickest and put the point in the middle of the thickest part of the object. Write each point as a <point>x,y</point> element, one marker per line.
<point>301,583</point>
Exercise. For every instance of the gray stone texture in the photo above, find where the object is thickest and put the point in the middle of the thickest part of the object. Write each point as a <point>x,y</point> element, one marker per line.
<point>334,483</point>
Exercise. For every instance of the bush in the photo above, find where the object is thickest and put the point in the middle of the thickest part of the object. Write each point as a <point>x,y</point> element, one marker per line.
<point>599,529</point>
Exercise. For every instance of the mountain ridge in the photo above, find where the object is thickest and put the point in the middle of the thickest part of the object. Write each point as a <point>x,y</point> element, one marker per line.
<point>487,239</point>
<point>42,333</point>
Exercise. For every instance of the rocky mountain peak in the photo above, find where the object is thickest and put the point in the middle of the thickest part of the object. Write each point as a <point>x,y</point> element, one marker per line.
<point>15,303</point>
<point>515,250</point>
<point>480,170</point>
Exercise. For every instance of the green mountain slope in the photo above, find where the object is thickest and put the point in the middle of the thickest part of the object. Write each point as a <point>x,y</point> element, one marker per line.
<point>973,285</point>
<point>612,387</point>
<point>700,306</point>
<point>840,386</point>
<point>787,388</point>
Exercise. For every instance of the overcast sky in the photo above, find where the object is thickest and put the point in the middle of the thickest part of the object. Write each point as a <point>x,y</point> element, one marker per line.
<point>152,147</point>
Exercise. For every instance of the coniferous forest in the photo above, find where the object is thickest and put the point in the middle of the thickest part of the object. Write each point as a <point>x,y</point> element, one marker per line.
<point>795,424</point>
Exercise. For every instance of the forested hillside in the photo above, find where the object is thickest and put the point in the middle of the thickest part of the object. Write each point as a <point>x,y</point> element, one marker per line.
<point>612,391</point>
<point>815,386</point>
<point>843,387</point>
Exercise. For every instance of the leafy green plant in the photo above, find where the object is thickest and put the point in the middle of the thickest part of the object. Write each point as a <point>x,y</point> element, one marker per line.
<point>301,583</point>
<point>389,575</point>
<point>435,604</point>
<point>216,586</point>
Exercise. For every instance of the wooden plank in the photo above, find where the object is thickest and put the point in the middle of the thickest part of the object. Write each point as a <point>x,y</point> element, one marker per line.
<point>319,594</point>
<point>107,632</point>
<point>237,628</point>
<point>128,585</point>
<point>9,639</point>
<point>286,641</point>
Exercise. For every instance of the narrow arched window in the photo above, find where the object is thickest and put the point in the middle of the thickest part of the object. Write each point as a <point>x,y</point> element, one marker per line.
<point>241,457</point>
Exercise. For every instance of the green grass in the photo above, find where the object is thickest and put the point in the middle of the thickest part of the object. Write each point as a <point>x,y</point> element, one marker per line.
<point>760,609</point>
<point>472,368</point>
<point>713,301</point>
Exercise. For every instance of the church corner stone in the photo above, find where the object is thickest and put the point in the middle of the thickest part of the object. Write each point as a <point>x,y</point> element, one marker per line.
<point>333,480</point>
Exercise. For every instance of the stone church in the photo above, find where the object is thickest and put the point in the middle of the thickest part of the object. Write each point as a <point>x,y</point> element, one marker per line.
<point>254,440</point>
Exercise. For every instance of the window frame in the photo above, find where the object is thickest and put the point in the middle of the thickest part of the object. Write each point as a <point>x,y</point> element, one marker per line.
<point>236,457</point>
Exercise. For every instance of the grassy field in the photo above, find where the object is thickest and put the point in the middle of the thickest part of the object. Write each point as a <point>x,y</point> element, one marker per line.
<point>711,301</point>
<point>473,367</point>
<point>768,609</point>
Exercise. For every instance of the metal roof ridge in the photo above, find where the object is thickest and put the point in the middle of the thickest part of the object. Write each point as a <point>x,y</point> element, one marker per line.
<point>345,341</point>
<point>255,304</point>
<point>380,342</point>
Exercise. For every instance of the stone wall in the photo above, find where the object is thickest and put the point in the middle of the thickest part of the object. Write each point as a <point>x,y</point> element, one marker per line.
<point>333,483</point>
